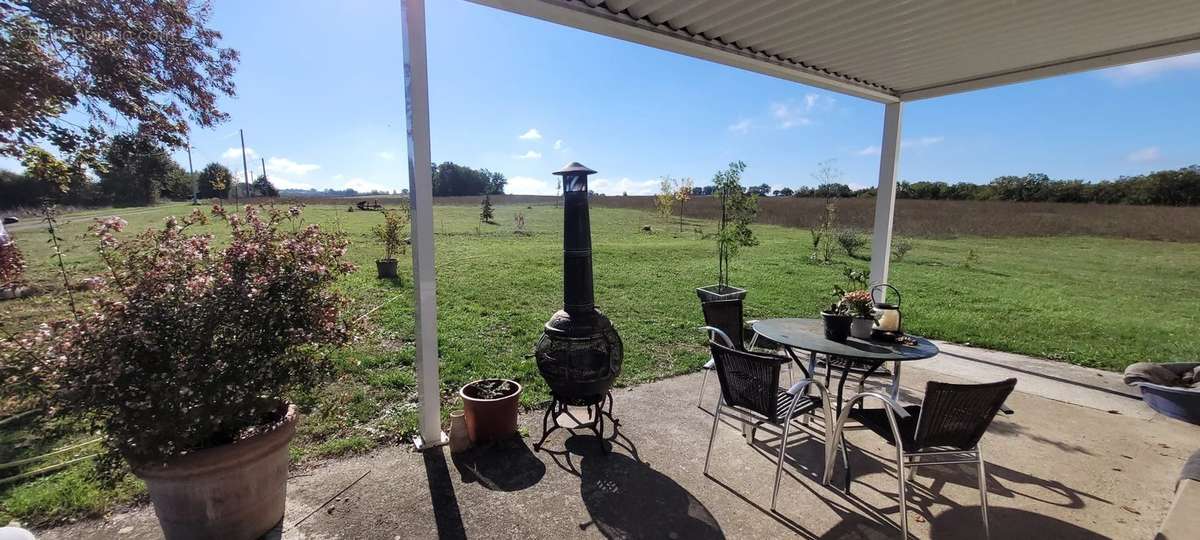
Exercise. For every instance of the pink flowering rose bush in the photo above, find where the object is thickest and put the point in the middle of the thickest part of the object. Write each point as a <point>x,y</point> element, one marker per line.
<point>198,346</point>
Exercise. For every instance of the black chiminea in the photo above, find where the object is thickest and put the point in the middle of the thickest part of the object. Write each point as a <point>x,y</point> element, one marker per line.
<point>579,353</point>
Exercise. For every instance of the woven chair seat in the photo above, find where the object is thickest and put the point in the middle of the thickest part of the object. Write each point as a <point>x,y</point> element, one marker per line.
<point>804,405</point>
<point>856,366</point>
<point>876,421</point>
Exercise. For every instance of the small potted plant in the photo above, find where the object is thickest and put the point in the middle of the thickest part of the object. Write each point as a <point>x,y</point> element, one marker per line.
<point>12,264</point>
<point>860,306</point>
<point>836,320</point>
<point>738,210</point>
<point>187,362</point>
<point>390,234</point>
<point>490,408</point>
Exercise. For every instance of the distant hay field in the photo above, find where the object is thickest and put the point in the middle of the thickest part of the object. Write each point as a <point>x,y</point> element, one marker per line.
<point>936,219</point>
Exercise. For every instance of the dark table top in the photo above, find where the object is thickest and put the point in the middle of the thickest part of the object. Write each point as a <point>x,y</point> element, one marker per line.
<point>809,335</point>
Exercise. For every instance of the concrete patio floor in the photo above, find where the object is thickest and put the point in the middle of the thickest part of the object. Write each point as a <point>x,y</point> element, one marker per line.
<point>1072,462</point>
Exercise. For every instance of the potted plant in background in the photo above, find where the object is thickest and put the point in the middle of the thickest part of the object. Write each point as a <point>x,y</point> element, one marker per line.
<point>490,409</point>
<point>188,361</point>
<point>12,264</point>
<point>738,210</point>
<point>860,306</point>
<point>390,234</point>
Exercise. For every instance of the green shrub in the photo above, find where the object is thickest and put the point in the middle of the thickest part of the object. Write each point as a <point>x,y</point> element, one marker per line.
<point>851,241</point>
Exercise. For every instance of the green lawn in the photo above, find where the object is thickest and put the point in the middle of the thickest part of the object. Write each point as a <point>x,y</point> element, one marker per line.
<point>1090,301</point>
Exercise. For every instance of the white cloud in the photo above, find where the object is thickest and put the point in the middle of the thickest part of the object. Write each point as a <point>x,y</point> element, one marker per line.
<point>386,155</point>
<point>532,135</point>
<point>1152,69</point>
<point>558,145</point>
<point>283,183</point>
<point>623,185</point>
<point>1151,153</point>
<point>235,154</point>
<point>286,166</point>
<point>919,142</point>
<point>359,184</point>
<point>524,185</point>
<point>742,127</point>
<point>532,154</point>
<point>791,114</point>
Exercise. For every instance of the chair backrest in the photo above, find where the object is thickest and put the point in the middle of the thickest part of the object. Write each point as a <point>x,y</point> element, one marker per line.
<point>726,315</point>
<point>957,415</point>
<point>748,380</point>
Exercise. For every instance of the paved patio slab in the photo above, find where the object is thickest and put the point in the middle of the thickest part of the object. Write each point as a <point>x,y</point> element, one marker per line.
<point>1057,469</point>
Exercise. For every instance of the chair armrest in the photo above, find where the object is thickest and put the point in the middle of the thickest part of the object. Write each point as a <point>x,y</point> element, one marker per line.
<point>714,331</point>
<point>887,400</point>
<point>800,385</point>
<point>1004,408</point>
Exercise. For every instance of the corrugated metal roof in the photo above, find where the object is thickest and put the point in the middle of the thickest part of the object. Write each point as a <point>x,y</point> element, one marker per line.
<point>887,50</point>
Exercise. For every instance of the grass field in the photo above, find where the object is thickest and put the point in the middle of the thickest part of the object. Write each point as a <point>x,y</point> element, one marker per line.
<point>1093,301</point>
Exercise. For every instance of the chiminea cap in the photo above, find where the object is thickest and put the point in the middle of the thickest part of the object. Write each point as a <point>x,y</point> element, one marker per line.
<point>574,168</point>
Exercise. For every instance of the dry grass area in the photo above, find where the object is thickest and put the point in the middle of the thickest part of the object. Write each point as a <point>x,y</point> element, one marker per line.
<point>918,218</point>
<point>939,219</point>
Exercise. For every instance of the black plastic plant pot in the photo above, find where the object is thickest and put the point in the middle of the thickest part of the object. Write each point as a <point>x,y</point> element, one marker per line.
<point>386,267</point>
<point>837,326</point>
<point>713,293</point>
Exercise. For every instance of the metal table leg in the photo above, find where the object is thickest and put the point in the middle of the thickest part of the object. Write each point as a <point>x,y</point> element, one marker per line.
<point>895,390</point>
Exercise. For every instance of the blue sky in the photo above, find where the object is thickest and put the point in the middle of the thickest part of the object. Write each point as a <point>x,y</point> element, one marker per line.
<point>320,96</point>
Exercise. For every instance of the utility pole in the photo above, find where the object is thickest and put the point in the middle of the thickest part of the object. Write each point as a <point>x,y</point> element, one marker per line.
<point>264,166</point>
<point>192,171</point>
<point>245,166</point>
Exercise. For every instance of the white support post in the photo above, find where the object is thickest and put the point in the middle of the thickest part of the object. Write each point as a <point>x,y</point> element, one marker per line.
<point>885,198</point>
<point>420,190</point>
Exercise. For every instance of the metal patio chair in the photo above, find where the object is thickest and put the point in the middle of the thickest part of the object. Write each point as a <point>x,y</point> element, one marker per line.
<point>943,430</point>
<point>727,315</point>
<point>750,387</point>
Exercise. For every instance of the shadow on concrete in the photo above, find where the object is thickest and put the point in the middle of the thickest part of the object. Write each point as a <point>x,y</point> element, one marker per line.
<point>507,465</point>
<point>1044,376</point>
<point>966,522</point>
<point>446,513</point>
<point>925,491</point>
<point>1014,429</point>
<point>627,498</point>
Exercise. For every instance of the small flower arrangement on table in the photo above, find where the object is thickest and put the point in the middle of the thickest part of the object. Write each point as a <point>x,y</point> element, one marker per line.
<point>861,307</point>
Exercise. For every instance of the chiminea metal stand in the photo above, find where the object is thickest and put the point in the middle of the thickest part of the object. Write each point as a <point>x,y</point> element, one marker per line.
<point>595,419</point>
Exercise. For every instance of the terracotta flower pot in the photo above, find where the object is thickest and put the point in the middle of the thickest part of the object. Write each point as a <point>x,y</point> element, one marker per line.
<point>490,419</point>
<point>232,491</point>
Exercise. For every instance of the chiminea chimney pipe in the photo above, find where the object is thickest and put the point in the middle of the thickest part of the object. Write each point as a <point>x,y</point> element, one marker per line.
<point>578,296</point>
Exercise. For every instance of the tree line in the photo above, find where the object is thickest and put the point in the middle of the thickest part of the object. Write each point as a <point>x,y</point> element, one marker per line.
<point>451,179</point>
<point>1173,187</point>
<point>132,169</point>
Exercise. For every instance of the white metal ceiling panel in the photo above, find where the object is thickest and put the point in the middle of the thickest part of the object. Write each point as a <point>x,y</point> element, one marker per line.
<point>888,50</point>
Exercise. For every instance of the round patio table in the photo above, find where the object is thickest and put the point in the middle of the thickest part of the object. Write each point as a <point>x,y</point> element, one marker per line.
<point>809,335</point>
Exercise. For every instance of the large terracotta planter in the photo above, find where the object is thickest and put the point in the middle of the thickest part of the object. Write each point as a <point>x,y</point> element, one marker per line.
<point>233,492</point>
<point>489,419</point>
